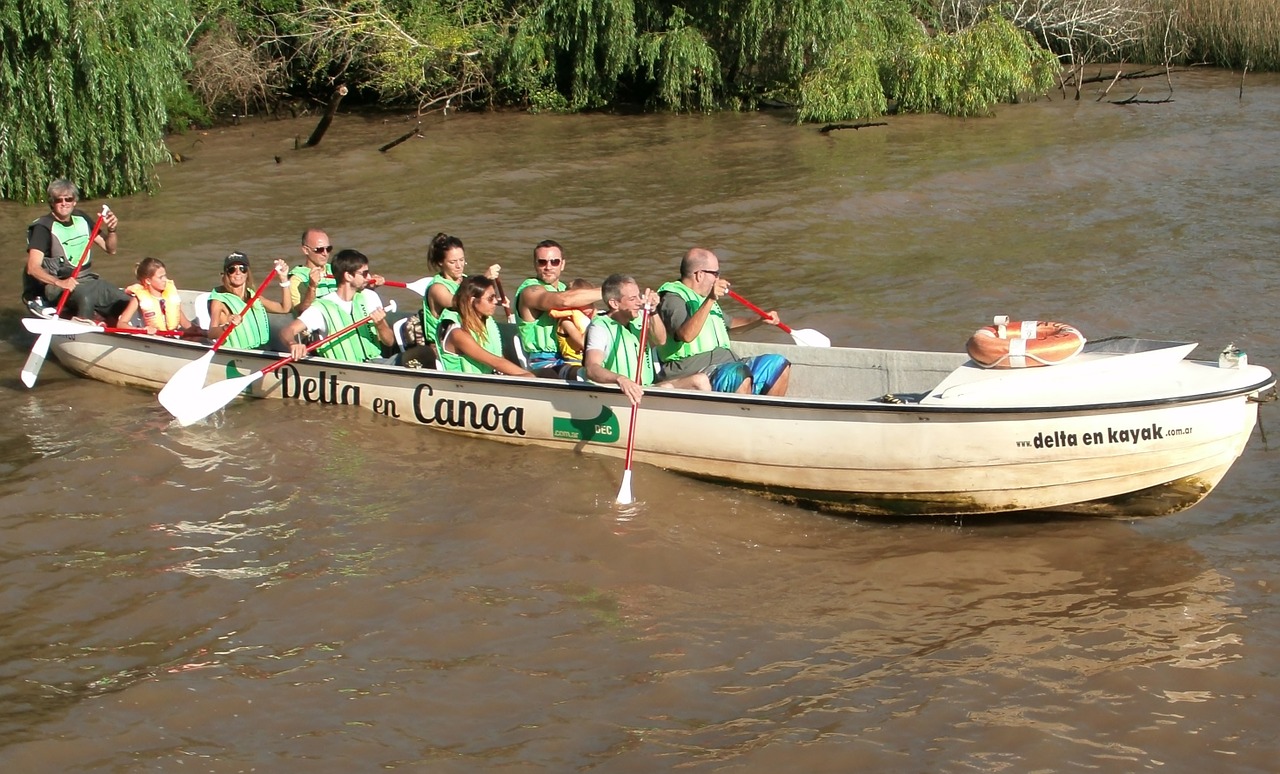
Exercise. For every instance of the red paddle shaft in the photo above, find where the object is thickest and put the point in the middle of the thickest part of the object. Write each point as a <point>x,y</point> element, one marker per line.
<point>756,309</point>
<point>76,271</point>
<point>227,330</point>
<point>282,362</point>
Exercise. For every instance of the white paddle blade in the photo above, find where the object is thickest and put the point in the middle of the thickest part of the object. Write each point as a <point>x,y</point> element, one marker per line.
<point>56,326</point>
<point>31,369</point>
<point>624,492</point>
<point>419,286</point>
<point>807,337</point>
<point>192,408</point>
<point>186,382</point>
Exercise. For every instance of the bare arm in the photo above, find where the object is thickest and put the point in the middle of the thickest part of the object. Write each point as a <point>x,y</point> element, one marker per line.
<point>107,234</point>
<point>35,267</point>
<point>130,310</point>
<point>691,327</point>
<point>306,299</point>
<point>536,299</point>
<point>286,291</point>
<point>576,338</point>
<point>386,336</point>
<point>593,361</point>
<point>219,318</point>
<point>439,298</point>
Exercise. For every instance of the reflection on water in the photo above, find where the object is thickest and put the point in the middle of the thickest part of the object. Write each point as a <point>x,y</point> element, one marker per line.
<point>294,587</point>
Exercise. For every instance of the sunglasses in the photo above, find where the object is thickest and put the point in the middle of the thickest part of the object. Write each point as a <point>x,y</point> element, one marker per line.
<point>548,261</point>
<point>715,273</point>
<point>490,299</point>
<point>63,199</point>
<point>320,248</point>
<point>238,269</point>
<point>363,273</point>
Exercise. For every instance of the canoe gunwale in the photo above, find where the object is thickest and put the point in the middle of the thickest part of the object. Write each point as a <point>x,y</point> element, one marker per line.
<point>823,404</point>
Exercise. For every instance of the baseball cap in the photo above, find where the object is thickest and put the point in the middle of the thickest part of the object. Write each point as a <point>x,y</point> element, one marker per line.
<point>235,259</point>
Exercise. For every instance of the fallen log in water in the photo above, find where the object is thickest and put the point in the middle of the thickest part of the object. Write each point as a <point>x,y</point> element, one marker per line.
<point>323,126</point>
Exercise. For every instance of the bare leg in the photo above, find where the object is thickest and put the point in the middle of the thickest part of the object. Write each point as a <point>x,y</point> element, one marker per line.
<point>779,387</point>
<point>695,381</point>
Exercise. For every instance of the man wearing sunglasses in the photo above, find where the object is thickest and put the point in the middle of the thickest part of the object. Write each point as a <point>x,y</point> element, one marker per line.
<point>350,302</point>
<point>55,244</point>
<point>535,298</point>
<point>314,278</point>
<point>699,340</point>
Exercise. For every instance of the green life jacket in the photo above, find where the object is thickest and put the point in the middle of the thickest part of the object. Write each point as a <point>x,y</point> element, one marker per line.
<point>622,355</point>
<point>714,334</point>
<point>67,245</point>
<point>537,336</point>
<point>357,346</point>
<point>430,322</point>
<point>461,363</point>
<point>254,330</point>
<point>324,287</point>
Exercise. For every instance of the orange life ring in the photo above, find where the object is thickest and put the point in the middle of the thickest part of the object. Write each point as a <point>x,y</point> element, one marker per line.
<point>1024,344</point>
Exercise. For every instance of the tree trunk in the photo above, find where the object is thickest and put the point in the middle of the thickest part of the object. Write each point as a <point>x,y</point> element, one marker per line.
<point>323,126</point>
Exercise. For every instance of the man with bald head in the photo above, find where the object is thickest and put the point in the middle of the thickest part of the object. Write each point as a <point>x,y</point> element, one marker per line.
<point>698,339</point>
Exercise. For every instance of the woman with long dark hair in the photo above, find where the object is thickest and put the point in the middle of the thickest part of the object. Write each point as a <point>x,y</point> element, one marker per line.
<point>468,334</point>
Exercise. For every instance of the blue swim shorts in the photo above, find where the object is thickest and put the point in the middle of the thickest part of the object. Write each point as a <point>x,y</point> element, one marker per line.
<point>763,370</point>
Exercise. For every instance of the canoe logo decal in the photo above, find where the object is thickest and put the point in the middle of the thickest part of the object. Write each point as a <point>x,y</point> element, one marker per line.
<point>602,429</point>
<point>1056,439</point>
<point>233,371</point>
<point>323,388</point>
<point>461,413</point>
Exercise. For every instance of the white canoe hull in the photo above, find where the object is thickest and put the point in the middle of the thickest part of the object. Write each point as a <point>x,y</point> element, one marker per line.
<point>953,452</point>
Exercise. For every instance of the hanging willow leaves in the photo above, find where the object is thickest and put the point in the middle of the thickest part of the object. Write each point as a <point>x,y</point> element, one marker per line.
<point>833,59</point>
<point>683,69</point>
<point>86,83</point>
<point>969,72</point>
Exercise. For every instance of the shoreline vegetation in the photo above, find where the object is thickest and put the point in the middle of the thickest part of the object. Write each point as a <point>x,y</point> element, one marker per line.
<point>95,85</point>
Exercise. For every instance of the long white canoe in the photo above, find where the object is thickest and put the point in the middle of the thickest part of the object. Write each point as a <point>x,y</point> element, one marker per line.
<point>1128,428</point>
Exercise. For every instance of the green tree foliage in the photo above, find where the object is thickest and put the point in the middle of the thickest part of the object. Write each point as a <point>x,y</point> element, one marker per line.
<point>833,59</point>
<point>969,72</point>
<point>84,86</point>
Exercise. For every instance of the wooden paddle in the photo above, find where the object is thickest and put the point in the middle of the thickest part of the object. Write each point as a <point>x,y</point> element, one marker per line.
<point>624,492</point>
<point>806,337</point>
<point>191,377</point>
<point>31,369</point>
<point>190,408</point>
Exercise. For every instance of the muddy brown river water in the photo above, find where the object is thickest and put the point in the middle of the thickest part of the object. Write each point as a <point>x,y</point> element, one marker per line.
<point>297,588</point>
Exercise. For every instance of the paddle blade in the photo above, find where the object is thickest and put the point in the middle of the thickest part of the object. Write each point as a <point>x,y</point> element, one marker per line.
<point>807,337</point>
<point>187,381</point>
<point>624,492</point>
<point>189,409</point>
<point>419,286</point>
<point>56,326</point>
<point>31,369</point>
